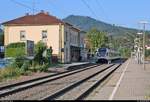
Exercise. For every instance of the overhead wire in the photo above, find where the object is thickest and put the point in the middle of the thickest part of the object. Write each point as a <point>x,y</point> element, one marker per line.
<point>23,5</point>
<point>90,9</point>
<point>101,7</point>
<point>60,10</point>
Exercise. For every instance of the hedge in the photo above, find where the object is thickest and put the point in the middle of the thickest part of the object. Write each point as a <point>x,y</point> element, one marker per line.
<point>15,50</point>
<point>16,45</point>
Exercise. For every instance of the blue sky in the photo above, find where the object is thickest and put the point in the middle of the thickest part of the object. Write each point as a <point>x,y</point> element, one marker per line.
<point>120,12</point>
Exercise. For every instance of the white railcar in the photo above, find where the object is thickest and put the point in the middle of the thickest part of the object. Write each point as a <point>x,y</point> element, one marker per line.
<point>106,55</point>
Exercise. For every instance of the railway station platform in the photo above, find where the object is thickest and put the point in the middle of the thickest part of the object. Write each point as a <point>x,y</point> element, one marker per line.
<point>65,67</point>
<point>130,82</point>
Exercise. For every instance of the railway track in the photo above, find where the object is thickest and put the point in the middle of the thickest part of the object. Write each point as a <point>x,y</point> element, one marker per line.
<point>40,78</point>
<point>58,86</point>
<point>82,88</point>
<point>17,87</point>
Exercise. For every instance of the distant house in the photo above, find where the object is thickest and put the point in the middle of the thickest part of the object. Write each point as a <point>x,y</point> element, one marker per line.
<point>63,37</point>
<point>148,47</point>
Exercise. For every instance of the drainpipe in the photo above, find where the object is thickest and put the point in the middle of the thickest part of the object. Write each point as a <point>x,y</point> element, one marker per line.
<point>60,41</point>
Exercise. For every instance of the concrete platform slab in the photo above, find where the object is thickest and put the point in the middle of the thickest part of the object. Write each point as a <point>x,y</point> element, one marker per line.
<point>134,84</point>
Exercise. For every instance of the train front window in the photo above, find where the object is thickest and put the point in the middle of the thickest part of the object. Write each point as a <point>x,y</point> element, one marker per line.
<point>102,52</point>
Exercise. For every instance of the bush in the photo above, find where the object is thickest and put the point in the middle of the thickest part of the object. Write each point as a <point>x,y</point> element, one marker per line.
<point>44,68</point>
<point>33,68</point>
<point>25,66</point>
<point>13,64</point>
<point>20,61</point>
<point>16,45</point>
<point>147,53</point>
<point>15,50</point>
<point>40,47</point>
<point>10,72</point>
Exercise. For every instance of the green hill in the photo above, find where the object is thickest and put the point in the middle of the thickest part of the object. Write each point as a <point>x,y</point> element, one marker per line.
<point>87,23</point>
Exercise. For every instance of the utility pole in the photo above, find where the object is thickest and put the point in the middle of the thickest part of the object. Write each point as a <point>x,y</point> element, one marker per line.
<point>144,26</point>
<point>144,46</point>
<point>139,46</point>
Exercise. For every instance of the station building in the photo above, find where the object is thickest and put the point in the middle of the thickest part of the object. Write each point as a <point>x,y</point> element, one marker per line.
<point>64,38</point>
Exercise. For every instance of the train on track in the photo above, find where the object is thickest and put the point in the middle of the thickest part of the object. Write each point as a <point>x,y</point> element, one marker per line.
<point>106,55</point>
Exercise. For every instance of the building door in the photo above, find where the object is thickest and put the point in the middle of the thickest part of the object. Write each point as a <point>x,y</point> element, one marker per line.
<point>75,54</point>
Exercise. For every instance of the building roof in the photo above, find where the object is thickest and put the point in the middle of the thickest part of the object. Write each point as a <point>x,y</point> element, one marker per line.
<point>68,24</point>
<point>73,27</point>
<point>41,18</point>
<point>76,29</point>
<point>82,31</point>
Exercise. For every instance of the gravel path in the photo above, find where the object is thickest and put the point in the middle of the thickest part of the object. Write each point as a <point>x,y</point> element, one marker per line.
<point>41,91</point>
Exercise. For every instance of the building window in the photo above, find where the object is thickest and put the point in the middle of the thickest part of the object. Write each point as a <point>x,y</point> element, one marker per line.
<point>22,35</point>
<point>66,36</point>
<point>44,34</point>
<point>67,53</point>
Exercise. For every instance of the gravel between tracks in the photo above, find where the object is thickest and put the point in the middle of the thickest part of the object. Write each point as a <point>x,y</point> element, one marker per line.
<point>43,90</point>
<point>76,92</point>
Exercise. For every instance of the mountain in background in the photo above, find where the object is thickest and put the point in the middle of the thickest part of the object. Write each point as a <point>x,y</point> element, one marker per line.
<point>87,23</point>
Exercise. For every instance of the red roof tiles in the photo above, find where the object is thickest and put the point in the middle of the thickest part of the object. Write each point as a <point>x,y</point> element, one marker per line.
<point>38,19</point>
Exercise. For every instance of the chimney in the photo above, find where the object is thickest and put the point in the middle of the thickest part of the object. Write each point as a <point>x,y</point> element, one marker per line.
<point>47,13</point>
<point>42,11</point>
<point>27,14</point>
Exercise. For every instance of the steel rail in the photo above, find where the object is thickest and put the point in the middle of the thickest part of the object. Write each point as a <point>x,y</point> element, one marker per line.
<point>10,89</point>
<point>72,86</point>
<point>96,84</point>
<point>36,79</point>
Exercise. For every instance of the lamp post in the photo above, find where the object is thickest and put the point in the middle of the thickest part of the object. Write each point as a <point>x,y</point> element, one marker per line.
<point>144,25</point>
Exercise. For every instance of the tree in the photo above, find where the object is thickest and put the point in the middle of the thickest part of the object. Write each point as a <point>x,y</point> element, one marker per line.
<point>125,52</point>
<point>40,47</point>
<point>2,40</point>
<point>97,39</point>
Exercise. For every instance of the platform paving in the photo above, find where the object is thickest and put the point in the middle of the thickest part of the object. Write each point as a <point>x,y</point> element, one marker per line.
<point>129,82</point>
<point>135,84</point>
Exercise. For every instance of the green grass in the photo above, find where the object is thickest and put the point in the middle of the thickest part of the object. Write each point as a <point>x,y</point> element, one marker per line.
<point>13,71</point>
<point>9,73</point>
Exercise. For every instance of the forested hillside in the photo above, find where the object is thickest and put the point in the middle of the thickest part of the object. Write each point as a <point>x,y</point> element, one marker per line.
<point>87,23</point>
